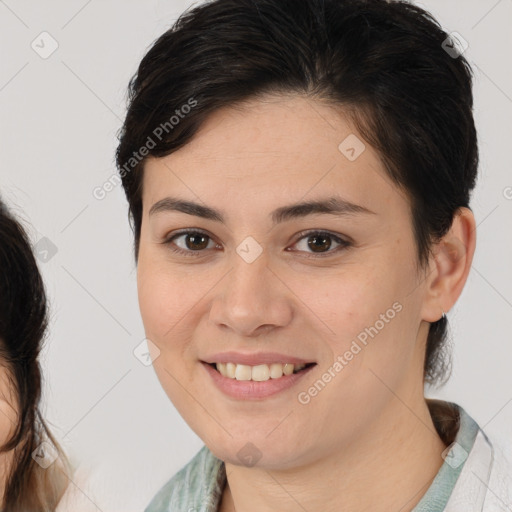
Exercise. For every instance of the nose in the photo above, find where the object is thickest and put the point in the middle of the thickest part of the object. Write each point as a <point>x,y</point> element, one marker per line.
<point>252,299</point>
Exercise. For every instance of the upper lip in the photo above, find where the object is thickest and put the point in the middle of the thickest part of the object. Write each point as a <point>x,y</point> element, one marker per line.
<point>254,359</point>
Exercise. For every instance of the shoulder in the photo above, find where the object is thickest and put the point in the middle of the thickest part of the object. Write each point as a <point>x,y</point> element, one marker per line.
<point>77,497</point>
<point>197,485</point>
<point>489,472</point>
<point>499,494</point>
<point>485,480</point>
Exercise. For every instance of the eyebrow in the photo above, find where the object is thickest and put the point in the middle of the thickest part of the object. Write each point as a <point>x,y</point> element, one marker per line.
<point>332,206</point>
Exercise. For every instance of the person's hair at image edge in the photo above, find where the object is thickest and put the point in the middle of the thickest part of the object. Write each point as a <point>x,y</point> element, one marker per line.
<point>23,325</point>
<point>381,63</point>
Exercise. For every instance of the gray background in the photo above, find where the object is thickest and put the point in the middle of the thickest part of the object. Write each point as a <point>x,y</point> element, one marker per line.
<point>60,116</point>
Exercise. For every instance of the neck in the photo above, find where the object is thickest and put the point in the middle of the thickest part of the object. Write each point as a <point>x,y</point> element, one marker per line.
<point>389,467</point>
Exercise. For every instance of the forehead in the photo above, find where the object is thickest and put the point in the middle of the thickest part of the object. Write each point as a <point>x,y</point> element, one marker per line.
<point>273,148</point>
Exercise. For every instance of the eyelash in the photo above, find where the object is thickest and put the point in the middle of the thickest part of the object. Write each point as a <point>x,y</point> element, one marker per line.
<point>344,244</point>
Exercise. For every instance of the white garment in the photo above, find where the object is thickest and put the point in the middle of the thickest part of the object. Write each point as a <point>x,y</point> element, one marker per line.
<point>485,483</point>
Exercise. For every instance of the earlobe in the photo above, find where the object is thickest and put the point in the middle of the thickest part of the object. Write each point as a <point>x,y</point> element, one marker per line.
<point>453,256</point>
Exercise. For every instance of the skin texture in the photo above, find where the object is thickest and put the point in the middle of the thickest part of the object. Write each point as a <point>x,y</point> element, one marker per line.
<point>8,421</point>
<point>366,441</point>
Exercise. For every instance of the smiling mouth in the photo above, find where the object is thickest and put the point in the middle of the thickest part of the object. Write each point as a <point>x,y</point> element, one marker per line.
<point>258,373</point>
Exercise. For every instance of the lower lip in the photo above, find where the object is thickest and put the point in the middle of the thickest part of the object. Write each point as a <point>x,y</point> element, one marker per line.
<point>253,390</point>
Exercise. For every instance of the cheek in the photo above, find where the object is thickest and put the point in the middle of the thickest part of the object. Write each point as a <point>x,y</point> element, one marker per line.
<point>344,302</point>
<point>8,408</point>
<point>157,304</point>
<point>171,305</point>
<point>363,314</point>
<point>164,297</point>
<point>166,305</point>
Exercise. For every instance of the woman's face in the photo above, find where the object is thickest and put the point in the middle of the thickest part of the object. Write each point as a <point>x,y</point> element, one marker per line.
<point>8,421</point>
<point>348,299</point>
<point>8,405</point>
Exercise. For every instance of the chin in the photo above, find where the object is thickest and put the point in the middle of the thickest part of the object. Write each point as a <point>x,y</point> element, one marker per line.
<point>257,451</point>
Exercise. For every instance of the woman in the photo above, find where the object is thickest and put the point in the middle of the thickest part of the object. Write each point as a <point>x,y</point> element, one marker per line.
<point>33,467</point>
<point>298,175</point>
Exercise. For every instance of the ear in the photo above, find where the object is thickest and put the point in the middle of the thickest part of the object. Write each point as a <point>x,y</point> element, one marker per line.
<point>450,267</point>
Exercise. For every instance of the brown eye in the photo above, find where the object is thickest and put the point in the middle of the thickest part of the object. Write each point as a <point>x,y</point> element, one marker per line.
<point>196,241</point>
<point>191,243</point>
<point>319,243</point>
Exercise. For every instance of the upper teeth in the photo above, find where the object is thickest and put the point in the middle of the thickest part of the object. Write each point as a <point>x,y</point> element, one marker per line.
<point>260,372</point>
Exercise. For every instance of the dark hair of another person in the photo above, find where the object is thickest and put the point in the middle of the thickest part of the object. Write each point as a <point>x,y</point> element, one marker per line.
<point>23,323</point>
<point>381,63</point>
